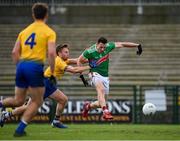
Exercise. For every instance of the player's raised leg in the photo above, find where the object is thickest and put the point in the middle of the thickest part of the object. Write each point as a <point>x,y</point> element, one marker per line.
<point>16,112</point>
<point>101,99</point>
<point>61,103</point>
<point>17,100</point>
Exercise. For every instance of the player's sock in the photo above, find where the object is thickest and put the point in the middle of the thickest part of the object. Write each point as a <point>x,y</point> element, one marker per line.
<point>22,125</point>
<point>57,123</point>
<point>1,105</point>
<point>88,106</point>
<point>8,115</point>
<point>106,114</point>
<point>56,119</point>
<point>105,109</point>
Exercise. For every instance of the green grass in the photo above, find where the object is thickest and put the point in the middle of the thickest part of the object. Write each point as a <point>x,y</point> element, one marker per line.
<point>95,132</point>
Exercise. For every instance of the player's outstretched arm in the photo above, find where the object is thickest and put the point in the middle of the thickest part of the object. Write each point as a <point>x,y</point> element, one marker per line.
<point>72,61</point>
<point>129,45</point>
<point>125,44</point>
<point>16,52</point>
<point>78,69</point>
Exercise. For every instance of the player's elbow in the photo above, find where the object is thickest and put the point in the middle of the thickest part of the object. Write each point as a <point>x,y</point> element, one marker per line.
<point>51,50</point>
<point>51,54</point>
<point>14,52</point>
<point>15,56</point>
<point>119,44</point>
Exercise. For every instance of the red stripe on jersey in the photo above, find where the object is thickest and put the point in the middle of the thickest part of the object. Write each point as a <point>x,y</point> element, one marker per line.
<point>103,59</point>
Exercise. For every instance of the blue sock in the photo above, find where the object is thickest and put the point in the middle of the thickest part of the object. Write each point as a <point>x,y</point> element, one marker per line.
<point>1,105</point>
<point>21,127</point>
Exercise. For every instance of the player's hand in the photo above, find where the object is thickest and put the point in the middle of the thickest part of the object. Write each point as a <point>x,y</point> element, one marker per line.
<point>93,64</point>
<point>52,79</point>
<point>139,51</point>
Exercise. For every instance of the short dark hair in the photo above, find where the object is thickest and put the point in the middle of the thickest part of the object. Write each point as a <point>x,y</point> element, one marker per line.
<point>40,10</point>
<point>60,47</point>
<point>102,40</point>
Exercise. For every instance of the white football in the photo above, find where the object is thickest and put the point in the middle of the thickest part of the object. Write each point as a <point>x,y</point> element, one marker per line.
<point>149,109</point>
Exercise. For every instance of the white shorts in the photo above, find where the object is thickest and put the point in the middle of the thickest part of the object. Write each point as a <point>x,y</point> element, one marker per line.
<point>96,77</point>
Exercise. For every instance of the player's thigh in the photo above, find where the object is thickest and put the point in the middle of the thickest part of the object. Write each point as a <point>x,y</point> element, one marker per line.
<point>49,88</point>
<point>99,86</point>
<point>106,85</point>
<point>59,96</point>
<point>101,83</point>
<point>37,93</point>
<point>98,83</point>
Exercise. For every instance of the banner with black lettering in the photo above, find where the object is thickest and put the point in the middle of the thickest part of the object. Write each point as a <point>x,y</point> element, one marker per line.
<point>120,109</point>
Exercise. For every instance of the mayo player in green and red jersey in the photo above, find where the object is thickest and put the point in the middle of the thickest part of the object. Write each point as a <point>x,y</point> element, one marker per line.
<point>98,57</point>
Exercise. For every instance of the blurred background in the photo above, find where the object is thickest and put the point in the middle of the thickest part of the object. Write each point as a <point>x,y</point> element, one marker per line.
<point>152,77</point>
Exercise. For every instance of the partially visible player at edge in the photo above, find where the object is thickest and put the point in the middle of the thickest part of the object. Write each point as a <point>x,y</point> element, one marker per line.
<point>62,65</point>
<point>29,54</point>
<point>98,57</point>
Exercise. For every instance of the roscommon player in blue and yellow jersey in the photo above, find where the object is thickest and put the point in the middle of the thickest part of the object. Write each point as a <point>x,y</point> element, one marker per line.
<point>62,64</point>
<point>29,54</point>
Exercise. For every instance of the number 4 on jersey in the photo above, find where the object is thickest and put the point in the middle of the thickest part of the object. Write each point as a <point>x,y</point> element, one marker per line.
<point>31,40</point>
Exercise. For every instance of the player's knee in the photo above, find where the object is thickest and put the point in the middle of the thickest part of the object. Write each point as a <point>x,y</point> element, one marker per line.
<point>19,102</point>
<point>101,91</point>
<point>40,102</point>
<point>65,99</point>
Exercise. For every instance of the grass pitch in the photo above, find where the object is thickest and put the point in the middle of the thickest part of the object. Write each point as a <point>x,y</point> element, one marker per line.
<point>94,132</point>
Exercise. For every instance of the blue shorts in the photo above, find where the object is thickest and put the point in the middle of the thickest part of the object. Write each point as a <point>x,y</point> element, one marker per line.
<point>49,88</point>
<point>29,73</point>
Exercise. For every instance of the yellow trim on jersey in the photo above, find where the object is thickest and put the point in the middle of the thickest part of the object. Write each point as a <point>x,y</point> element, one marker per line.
<point>60,66</point>
<point>34,40</point>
